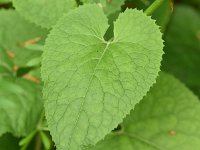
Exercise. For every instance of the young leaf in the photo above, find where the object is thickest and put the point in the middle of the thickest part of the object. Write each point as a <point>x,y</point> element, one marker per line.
<point>183,47</point>
<point>166,119</point>
<point>14,34</point>
<point>20,106</point>
<point>92,84</point>
<point>43,12</point>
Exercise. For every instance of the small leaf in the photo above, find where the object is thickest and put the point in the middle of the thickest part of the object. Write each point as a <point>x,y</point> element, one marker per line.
<point>92,84</point>
<point>43,12</point>
<point>166,119</point>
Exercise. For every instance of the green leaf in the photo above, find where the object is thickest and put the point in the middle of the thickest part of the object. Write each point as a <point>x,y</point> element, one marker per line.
<point>8,142</point>
<point>166,119</point>
<point>109,6</point>
<point>14,32</point>
<point>43,12</point>
<point>20,106</point>
<point>183,47</point>
<point>92,84</point>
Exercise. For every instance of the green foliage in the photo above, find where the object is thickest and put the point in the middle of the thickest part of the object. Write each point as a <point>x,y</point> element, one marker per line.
<point>20,106</point>
<point>195,3</point>
<point>43,12</point>
<point>4,1</point>
<point>161,121</point>
<point>107,75</point>
<point>98,69</point>
<point>183,46</point>
<point>163,14</point>
<point>14,34</point>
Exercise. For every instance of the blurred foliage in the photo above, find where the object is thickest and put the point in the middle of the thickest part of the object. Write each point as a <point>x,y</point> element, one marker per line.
<point>8,142</point>
<point>24,33</point>
<point>21,96</point>
<point>4,1</point>
<point>182,48</point>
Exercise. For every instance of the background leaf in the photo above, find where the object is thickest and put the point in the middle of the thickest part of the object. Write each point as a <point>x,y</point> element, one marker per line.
<point>14,32</point>
<point>20,106</point>
<point>183,47</point>
<point>166,119</point>
<point>43,12</point>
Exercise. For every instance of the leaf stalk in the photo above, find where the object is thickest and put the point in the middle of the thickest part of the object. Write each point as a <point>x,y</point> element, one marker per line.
<point>153,7</point>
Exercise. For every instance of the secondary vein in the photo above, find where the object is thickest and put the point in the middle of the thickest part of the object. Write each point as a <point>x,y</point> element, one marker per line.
<point>143,140</point>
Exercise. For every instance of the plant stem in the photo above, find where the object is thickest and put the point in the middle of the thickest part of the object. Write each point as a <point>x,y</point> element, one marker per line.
<point>38,143</point>
<point>39,125</point>
<point>153,7</point>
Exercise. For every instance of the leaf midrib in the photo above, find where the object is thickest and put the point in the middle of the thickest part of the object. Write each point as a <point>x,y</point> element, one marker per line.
<point>90,81</point>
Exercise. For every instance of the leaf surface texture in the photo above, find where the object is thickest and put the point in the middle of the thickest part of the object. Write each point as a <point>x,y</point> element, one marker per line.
<point>166,119</point>
<point>91,84</point>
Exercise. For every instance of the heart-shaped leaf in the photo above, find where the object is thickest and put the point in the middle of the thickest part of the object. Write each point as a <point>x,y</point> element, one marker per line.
<point>91,84</point>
